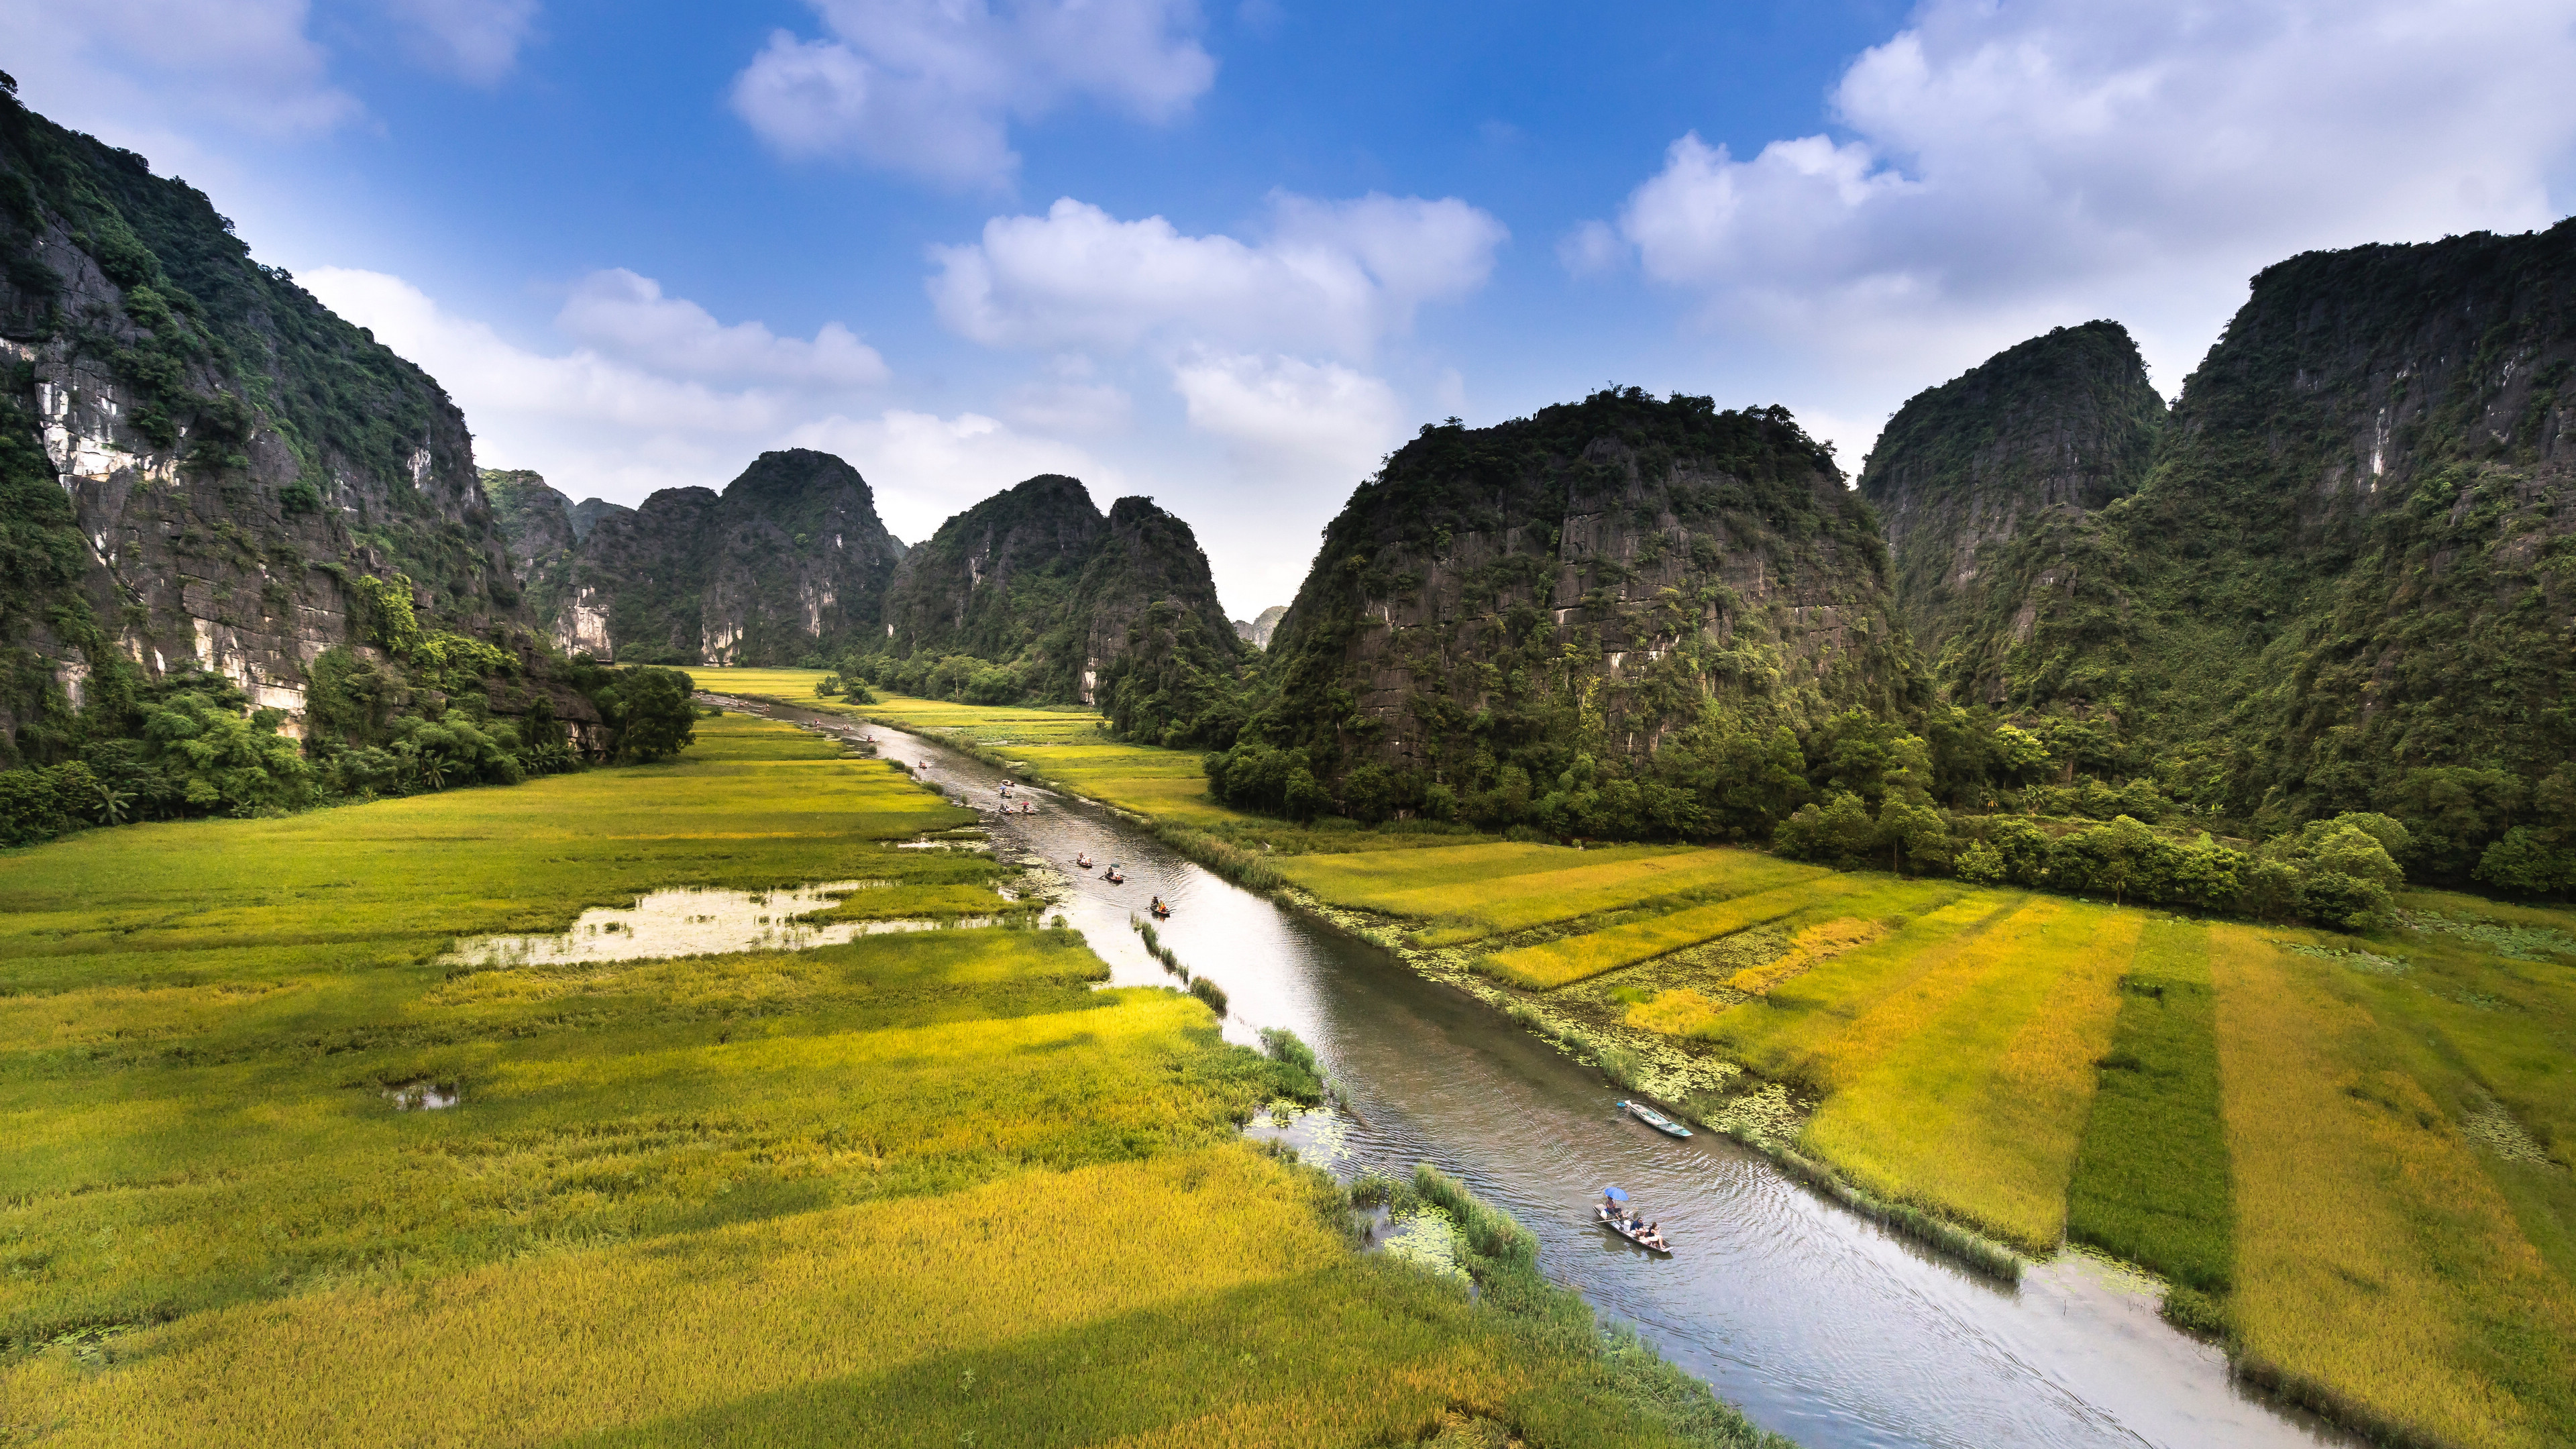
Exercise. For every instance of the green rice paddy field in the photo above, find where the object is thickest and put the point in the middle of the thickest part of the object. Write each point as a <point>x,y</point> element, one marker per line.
<point>931,1188</point>
<point>2352,1154</point>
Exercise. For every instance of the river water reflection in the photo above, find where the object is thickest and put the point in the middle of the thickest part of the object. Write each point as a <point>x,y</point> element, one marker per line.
<point>1820,1324</point>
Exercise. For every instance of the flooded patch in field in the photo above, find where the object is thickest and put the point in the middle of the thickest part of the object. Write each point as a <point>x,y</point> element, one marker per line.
<point>697,923</point>
<point>423,1096</point>
<point>929,842</point>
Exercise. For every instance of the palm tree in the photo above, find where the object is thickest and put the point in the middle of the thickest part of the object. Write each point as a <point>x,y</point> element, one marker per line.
<point>112,803</point>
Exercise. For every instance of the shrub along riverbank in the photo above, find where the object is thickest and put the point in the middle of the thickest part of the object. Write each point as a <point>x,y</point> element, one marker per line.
<point>931,1186</point>
<point>2348,1153</point>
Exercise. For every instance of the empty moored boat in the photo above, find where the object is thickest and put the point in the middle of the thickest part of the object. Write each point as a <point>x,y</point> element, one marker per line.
<point>1655,1119</point>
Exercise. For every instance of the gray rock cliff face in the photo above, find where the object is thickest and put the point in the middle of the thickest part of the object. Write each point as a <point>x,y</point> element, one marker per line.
<point>230,450</point>
<point>536,522</point>
<point>790,564</point>
<point>2021,448</point>
<point>588,512</point>
<point>1257,631</point>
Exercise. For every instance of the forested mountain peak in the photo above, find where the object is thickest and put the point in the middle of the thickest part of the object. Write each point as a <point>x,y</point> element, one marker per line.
<point>1984,484</point>
<point>1034,592</point>
<point>993,579</point>
<point>2339,585</point>
<point>1587,583</point>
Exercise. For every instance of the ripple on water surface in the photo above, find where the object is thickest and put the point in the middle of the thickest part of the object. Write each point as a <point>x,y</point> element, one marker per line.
<point>695,923</point>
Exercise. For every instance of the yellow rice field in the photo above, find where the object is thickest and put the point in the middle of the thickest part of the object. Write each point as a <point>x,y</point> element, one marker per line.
<point>2375,1260</point>
<point>927,1188</point>
<point>2391,1227</point>
<point>1068,747</point>
<point>1576,958</point>
<point>1968,1090</point>
<point>1468,892</point>
<point>1820,942</point>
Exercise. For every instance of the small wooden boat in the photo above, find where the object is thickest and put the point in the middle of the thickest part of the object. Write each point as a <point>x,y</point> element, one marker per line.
<point>1162,912</point>
<point>1112,876</point>
<point>1655,1244</point>
<point>1082,862</point>
<point>1655,1119</point>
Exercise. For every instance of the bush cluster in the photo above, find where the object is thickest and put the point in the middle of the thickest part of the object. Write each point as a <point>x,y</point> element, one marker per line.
<point>2338,873</point>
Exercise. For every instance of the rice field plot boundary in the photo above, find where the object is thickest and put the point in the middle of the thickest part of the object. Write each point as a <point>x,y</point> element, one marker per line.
<point>2151,1180</point>
<point>1454,895</point>
<point>1551,964</point>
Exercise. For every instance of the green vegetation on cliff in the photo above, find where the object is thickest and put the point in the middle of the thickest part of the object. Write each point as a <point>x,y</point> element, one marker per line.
<point>1986,482</point>
<point>2339,587</point>
<point>1611,618</point>
<point>1033,595</point>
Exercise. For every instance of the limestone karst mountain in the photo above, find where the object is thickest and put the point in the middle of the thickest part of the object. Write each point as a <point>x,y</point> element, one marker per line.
<point>2339,581</point>
<point>1585,581</point>
<point>1986,486</point>
<point>1257,630</point>
<point>1037,579</point>
<point>789,565</point>
<point>200,464</point>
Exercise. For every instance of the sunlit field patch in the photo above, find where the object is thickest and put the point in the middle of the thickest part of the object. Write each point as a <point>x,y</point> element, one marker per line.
<point>1813,944</point>
<point>277,1174</point>
<point>1968,1091</point>
<point>1574,958</point>
<point>1472,891</point>
<point>2375,1261</point>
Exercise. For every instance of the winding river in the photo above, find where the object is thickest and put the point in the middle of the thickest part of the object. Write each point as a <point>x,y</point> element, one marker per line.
<point>1820,1324</point>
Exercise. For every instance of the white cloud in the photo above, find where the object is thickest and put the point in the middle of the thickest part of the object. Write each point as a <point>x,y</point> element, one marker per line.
<point>1291,420</point>
<point>1591,248</point>
<point>476,41</point>
<point>930,87</point>
<point>2012,166</point>
<point>627,316</point>
<point>1336,275</point>
<point>1070,398</point>
<point>137,71</point>
<point>637,406</point>
<point>495,380</point>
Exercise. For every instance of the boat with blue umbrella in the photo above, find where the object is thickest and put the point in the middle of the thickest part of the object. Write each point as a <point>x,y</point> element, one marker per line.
<point>1615,1214</point>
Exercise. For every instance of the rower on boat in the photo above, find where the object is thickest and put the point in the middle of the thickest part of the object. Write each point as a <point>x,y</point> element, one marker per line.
<point>1160,910</point>
<point>1082,860</point>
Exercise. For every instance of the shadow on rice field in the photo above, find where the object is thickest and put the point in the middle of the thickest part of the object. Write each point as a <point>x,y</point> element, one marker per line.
<point>283,1170</point>
<point>2349,1156</point>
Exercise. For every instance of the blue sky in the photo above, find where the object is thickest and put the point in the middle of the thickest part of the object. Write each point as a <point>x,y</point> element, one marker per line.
<point>1230,254</point>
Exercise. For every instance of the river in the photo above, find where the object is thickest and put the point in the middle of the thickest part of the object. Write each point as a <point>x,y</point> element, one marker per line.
<point>1818,1322</point>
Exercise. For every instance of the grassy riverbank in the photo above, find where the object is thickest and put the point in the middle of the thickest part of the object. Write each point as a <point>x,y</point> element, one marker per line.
<point>2350,1155</point>
<point>928,1188</point>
